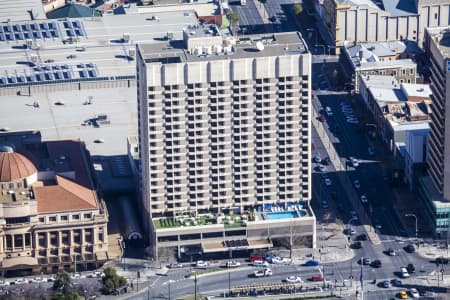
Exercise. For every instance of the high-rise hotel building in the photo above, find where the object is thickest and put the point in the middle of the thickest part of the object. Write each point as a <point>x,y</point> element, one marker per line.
<point>435,189</point>
<point>225,141</point>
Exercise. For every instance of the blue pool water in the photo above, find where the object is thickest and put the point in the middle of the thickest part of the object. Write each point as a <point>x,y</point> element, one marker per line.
<point>285,215</point>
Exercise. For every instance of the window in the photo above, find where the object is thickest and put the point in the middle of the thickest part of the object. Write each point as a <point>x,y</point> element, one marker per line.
<point>8,241</point>
<point>75,217</point>
<point>41,219</point>
<point>77,236</point>
<point>64,218</point>
<point>52,219</point>
<point>18,240</point>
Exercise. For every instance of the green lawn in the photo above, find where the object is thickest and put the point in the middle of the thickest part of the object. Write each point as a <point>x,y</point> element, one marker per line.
<point>202,220</point>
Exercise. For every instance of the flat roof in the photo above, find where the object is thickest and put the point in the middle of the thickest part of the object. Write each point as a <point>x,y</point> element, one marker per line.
<point>393,7</point>
<point>101,50</point>
<point>416,90</point>
<point>274,44</point>
<point>19,10</point>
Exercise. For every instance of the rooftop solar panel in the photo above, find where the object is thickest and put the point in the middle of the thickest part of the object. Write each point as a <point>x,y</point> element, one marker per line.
<point>46,68</point>
<point>70,32</point>
<point>80,65</point>
<point>55,33</point>
<point>1,28</point>
<point>37,69</point>
<point>49,76</point>
<point>77,24</point>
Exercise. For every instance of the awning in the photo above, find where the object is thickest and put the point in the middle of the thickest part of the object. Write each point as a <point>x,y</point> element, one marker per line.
<point>235,245</point>
<point>19,261</point>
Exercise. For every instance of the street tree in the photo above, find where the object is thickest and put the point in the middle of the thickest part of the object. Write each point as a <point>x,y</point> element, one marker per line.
<point>62,282</point>
<point>112,281</point>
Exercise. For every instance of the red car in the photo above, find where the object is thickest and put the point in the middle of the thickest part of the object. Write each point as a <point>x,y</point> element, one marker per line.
<point>317,278</point>
<point>254,258</point>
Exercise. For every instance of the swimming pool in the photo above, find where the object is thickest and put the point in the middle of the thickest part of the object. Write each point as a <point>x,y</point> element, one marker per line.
<point>285,215</point>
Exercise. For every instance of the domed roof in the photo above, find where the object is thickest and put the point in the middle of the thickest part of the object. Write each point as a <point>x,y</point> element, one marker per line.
<point>14,165</point>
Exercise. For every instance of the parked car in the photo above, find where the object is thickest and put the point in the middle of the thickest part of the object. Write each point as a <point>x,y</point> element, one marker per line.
<point>441,260</point>
<point>351,231</point>
<point>391,252</point>
<point>356,245</point>
<point>293,279</point>
<point>312,263</point>
<point>317,158</point>
<point>324,204</point>
<point>263,272</point>
<point>4,283</point>
<point>356,184</point>
<point>354,162</point>
<point>321,168</point>
<point>361,237</point>
<point>201,264</point>
<point>328,182</point>
<point>403,295</point>
<point>328,111</point>
<point>396,282</point>
<point>175,265</point>
<point>404,273</point>
<point>255,258</point>
<point>376,263</point>
<point>366,261</point>
<point>258,263</point>
<point>354,215</point>
<point>410,268</point>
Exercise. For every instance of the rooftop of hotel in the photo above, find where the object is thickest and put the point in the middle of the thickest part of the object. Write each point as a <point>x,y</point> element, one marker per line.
<point>244,47</point>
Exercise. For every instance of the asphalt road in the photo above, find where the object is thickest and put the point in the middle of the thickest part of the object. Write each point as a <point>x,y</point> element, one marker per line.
<point>250,21</point>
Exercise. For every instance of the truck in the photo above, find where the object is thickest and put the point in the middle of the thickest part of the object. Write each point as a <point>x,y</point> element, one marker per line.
<point>263,273</point>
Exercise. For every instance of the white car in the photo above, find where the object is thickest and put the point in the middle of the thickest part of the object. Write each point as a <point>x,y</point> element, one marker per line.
<point>317,158</point>
<point>364,199</point>
<point>414,293</point>
<point>293,279</point>
<point>233,264</point>
<point>201,264</point>
<point>20,281</point>
<point>404,273</point>
<point>262,273</point>
<point>259,263</point>
<point>356,184</point>
<point>354,162</point>
<point>328,111</point>
<point>328,182</point>
<point>4,283</point>
<point>279,260</point>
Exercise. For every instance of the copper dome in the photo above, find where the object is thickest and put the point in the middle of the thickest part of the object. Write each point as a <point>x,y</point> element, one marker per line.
<point>14,165</point>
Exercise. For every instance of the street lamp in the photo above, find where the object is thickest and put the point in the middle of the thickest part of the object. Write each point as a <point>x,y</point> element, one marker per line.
<point>415,217</point>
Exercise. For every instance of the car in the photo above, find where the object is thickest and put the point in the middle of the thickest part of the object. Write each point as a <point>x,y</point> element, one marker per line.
<point>351,231</point>
<point>371,151</point>
<point>317,158</point>
<point>99,141</point>
<point>321,168</point>
<point>376,263</point>
<point>410,248</point>
<point>366,261</point>
<point>396,282</point>
<point>279,260</point>
<point>322,118</point>
<point>414,293</point>
<point>364,199</point>
<point>328,182</point>
<point>80,49</point>
<point>317,278</point>
<point>77,275</point>
<point>4,283</point>
<point>404,273</point>
<point>175,265</point>
<point>410,268</point>
<point>312,263</point>
<point>263,272</point>
<point>356,184</point>
<point>324,204</point>
<point>362,237</point>
<point>385,284</point>
<point>328,111</point>
<point>356,245</point>
<point>403,295</point>
<point>201,264</point>
<point>254,258</point>
<point>258,263</point>
<point>293,279</point>
<point>391,252</point>
<point>273,19</point>
<point>48,61</point>
<point>324,175</point>
<point>233,264</point>
<point>441,260</point>
<point>354,162</point>
<point>71,56</point>
<point>20,281</point>
<point>354,215</point>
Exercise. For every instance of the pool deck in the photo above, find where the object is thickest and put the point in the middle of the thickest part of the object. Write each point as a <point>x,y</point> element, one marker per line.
<point>263,215</point>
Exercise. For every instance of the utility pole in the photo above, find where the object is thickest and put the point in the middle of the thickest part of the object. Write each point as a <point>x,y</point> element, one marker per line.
<point>229,282</point>
<point>195,286</point>
<point>169,288</point>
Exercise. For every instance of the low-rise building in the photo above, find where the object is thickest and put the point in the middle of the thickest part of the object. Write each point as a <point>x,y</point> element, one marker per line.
<point>402,115</point>
<point>381,58</point>
<point>51,216</point>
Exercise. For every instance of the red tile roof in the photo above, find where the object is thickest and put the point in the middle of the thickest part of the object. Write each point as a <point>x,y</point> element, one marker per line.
<point>14,166</point>
<point>66,195</point>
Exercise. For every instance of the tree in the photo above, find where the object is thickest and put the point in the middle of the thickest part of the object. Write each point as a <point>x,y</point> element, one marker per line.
<point>67,296</point>
<point>298,8</point>
<point>62,282</point>
<point>112,281</point>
